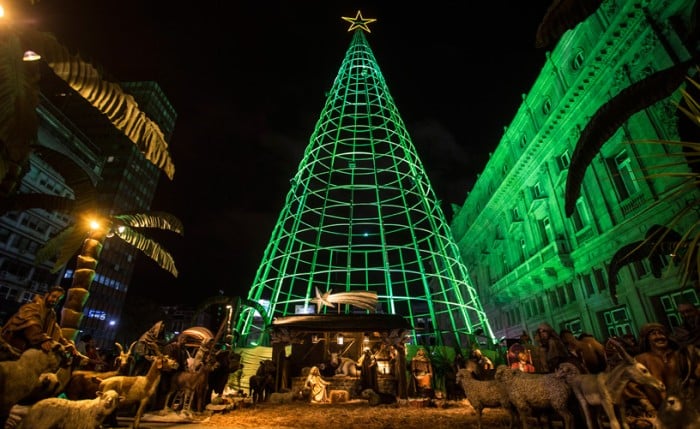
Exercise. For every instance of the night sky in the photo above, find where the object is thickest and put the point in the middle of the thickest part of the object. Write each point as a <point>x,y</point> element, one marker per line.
<point>248,81</point>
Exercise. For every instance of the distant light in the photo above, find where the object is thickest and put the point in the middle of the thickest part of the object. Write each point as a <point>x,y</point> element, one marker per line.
<point>31,56</point>
<point>112,323</point>
<point>121,229</point>
<point>366,234</point>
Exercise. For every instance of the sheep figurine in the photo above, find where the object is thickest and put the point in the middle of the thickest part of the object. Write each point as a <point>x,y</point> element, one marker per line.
<point>19,378</point>
<point>536,391</point>
<point>60,413</point>
<point>484,393</point>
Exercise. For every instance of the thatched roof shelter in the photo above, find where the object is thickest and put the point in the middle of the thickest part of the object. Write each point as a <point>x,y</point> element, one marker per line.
<point>314,336</point>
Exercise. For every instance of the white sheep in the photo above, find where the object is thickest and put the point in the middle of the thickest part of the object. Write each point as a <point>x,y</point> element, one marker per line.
<point>484,393</point>
<point>19,378</point>
<point>60,413</point>
<point>139,389</point>
<point>536,391</point>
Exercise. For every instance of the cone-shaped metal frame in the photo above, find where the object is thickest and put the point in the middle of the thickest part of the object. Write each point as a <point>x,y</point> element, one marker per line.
<point>361,215</point>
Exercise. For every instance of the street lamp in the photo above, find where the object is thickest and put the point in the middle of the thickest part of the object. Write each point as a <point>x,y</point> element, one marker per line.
<point>31,56</point>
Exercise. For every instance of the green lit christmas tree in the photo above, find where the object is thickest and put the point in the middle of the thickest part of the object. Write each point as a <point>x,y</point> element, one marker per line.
<point>361,230</point>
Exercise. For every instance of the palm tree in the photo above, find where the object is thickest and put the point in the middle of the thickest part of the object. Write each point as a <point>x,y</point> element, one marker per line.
<point>659,240</point>
<point>98,228</point>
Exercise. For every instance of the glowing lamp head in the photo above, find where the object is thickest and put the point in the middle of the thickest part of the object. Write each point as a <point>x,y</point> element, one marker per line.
<point>31,56</point>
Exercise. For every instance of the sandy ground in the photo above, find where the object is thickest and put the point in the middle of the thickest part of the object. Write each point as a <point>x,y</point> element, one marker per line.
<point>356,414</point>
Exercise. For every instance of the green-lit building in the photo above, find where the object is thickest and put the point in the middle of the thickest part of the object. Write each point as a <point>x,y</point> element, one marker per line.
<point>528,261</point>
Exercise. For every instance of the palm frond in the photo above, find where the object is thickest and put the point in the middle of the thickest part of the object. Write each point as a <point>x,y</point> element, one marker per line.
<point>149,248</point>
<point>22,202</point>
<point>63,246</point>
<point>157,220</point>
<point>658,241</point>
<point>609,117</point>
<point>108,97</point>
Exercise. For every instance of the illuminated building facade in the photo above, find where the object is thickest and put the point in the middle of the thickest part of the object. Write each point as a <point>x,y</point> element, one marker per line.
<point>529,262</point>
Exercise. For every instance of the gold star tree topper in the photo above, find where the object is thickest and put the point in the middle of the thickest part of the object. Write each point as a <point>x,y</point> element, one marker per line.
<point>358,22</point>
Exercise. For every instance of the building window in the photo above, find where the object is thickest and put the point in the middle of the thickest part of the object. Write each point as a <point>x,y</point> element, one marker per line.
<point>640,269</point>
<point>537,190</point>
<point>564,160</point>
<point>587,284</point>
<point>561,295</point>
<point>617,322</point>
<point>523,141</point>
<point>580,217</point>
<point>515,213</point>
<point>547,106</point>
<point>600,279</point>
<point>570,292</point>
<point>669,304</point>
<point>577,61</point>
<point>513,316</point>
<point>545,230</point>
<point>623,177</point>
<point>574,326</point>
<point>27,296</point>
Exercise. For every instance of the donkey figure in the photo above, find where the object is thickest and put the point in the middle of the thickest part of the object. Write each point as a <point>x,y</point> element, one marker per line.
<point>605,388</point>
<point>262,384</point>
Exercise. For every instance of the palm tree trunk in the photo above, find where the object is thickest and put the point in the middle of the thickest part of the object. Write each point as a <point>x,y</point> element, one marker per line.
<point>78,293</point>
